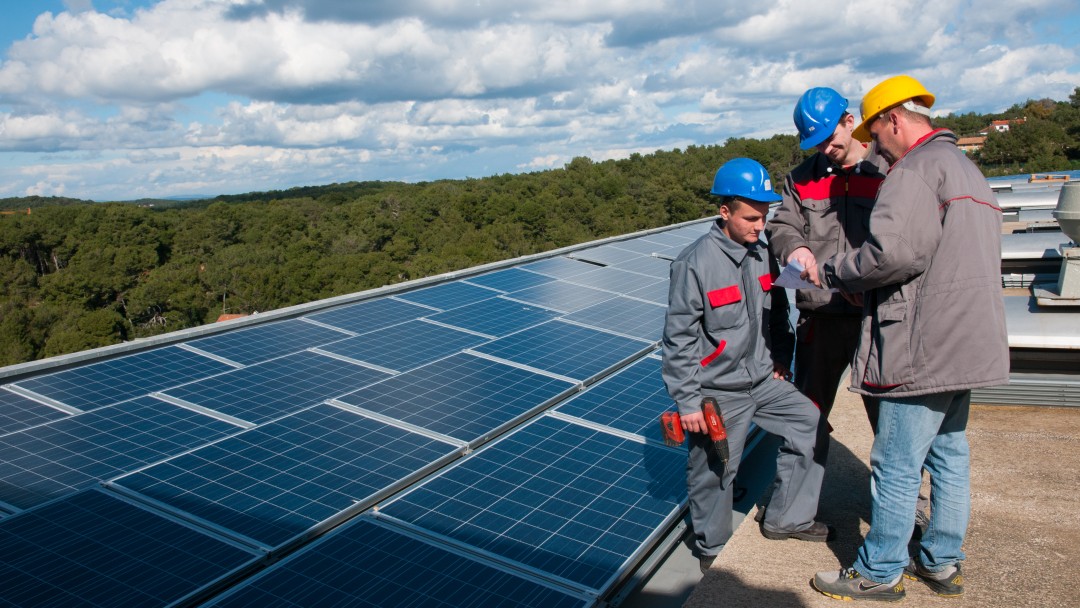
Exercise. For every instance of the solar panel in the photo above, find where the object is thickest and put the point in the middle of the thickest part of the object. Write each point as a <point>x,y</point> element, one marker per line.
<point>638,245</point>
<point>448,295</point>
<point>648,265</point>
<point>559,267</point>
<point>495,317</point>
<point>565,500</point>
<point>565,349</point>
<point>18,412</point>
<point>510,279</point>
<point>58,458</point>
<point>365,563</point>
<point>275,388</point>
<point>656,293</point>
<point>464,397</point>
<point>260,343</point>
<point>615,280</point>
<point>277,481</point>
<point>673,238</point>
<point>99,384</point>
<point>405,346</point>
<point>561,296</point>
<point>625,316</point>
<point>605,254</point>
<point>370,315</point>
<point>95,550</point>
<point>630,400</point>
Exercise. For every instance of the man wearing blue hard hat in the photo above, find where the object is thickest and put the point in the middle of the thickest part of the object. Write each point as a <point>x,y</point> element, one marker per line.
<point>727,338</point>
<point>827,200</point>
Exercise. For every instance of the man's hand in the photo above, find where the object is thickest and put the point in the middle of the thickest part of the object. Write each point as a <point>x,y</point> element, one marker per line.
<point>781,372</point>
<point>806,259</point>
<point>694,423</point>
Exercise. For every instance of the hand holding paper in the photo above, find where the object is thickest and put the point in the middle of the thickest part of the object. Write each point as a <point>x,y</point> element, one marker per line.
<point>791,276</point>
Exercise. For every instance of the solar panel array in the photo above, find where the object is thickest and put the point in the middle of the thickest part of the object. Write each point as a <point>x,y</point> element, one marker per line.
<point>493,436</point>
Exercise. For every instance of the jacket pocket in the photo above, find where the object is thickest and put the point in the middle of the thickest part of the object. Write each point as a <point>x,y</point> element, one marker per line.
<point>724,296</point>
<point>713,355</point>
<point>820,217</point>
<point>889,363</point>
<point>724,311</point>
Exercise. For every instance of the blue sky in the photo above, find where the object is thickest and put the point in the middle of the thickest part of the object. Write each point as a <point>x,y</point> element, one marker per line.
<point>125,99</point>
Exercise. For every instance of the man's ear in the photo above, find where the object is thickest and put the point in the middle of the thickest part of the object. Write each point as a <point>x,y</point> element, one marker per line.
<point>725,212</point>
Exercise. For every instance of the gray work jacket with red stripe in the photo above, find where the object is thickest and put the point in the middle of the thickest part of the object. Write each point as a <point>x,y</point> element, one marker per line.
<point>930,271</point>
<point>725,323</point>
<point>826,209</point>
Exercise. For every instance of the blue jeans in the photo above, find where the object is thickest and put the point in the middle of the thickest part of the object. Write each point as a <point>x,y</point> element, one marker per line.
<point>916,432</point>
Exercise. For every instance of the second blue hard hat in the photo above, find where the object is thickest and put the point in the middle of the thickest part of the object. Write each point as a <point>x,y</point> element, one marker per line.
<point>816,115</point>
<point>744,178</point>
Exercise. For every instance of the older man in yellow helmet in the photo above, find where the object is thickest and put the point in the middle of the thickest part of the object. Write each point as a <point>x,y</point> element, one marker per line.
<point>933,329</point>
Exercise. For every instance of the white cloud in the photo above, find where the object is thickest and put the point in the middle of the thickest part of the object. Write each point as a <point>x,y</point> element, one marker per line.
<point>315,91</point>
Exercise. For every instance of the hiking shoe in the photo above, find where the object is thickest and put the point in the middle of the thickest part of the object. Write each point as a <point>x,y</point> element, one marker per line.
<point>848,584</point>
<point>705,562</point>
<point>947,583</point>
<point>816,533</point>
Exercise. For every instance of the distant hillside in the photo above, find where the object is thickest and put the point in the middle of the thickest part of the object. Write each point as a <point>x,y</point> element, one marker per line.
<point>76,275</point>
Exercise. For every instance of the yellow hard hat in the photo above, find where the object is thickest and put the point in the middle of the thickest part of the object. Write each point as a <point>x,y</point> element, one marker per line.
<point>889,93</point>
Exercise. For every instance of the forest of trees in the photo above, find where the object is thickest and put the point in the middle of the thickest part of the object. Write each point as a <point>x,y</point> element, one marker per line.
<point>76,275</point>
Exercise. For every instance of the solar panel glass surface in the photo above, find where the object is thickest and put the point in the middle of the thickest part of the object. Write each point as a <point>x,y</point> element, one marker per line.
<point>648,265</point>
<point>405,346</point>
<point>629,317</point>
<point>259,343</point>
<point>673,239</point>
<point>564,499</point>
<point>615,280</point>
<point>510,279</point>
<point>656,293</point>
<point>448,295</point>
<point>367,564</point>
<point>630,400</point>
<point>495,317</point>
<point>93,550</point>
<point>370,315</point>
<point>99,384</point>
<point>463,396</point>
<point>565,349</point>
<point>559,267</point>
<point>639,245</point>
<point>605,254</point>
<point>278,387</point>
<point>561,296</point>
<point>18,412</point>
<point>278,480</point>
<point>58,458</point>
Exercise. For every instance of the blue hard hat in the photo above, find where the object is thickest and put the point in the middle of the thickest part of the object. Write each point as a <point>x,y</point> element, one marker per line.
<point>816,115</point>
<point>744,178</point>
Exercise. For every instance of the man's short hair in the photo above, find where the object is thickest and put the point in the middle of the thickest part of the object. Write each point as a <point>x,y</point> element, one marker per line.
<point>915,116</point>
<point>732,202</point>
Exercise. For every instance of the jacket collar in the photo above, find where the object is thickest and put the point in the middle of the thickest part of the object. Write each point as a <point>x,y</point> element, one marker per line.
<point>736,252</point>
<point>925,139</point>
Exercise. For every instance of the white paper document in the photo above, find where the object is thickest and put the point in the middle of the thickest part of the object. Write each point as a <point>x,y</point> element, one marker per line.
<point>791,277</point>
